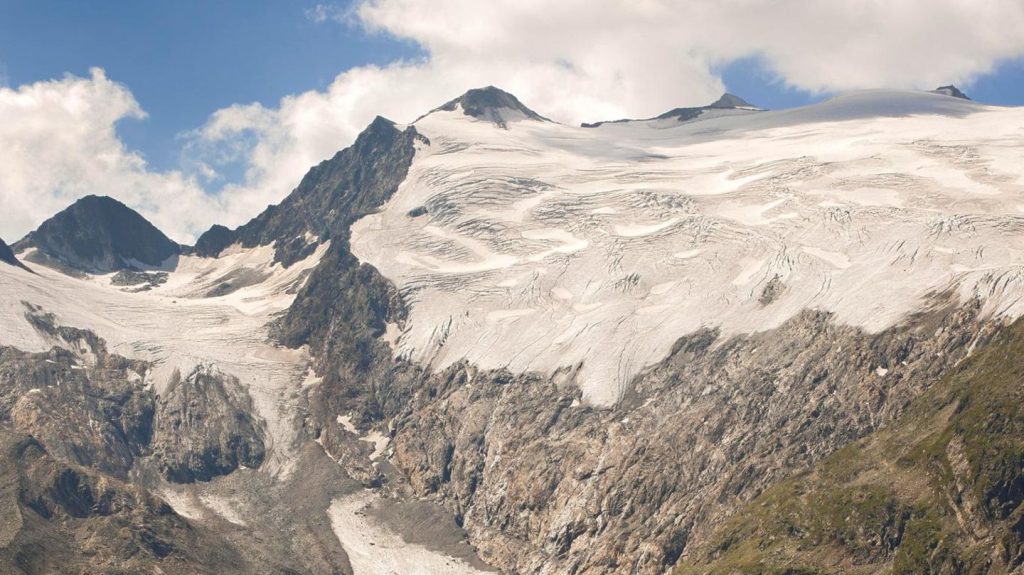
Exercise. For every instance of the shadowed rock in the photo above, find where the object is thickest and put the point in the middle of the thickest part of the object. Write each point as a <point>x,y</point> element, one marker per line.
<point>493,105</point>
<point>97,234</point>
<point>952,91</point>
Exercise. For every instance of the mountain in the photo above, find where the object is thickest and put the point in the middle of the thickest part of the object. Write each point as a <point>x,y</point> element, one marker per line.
<point>727,104</point>
<point>7,256</point>
<point>493,105</point>
<point>949,500</point>
<point>98,234</point>
<point>761,341</point>
<point>951,90</point>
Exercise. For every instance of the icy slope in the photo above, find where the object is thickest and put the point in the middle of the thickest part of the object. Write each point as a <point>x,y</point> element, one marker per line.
<point>541,246</point>
<point>178,326</point>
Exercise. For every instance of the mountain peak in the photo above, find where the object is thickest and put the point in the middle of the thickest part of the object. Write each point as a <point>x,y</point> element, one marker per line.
<point>728,101</point>
<point>99,234</point>
<point>7,256</point>
<point>952,91</point>
<point>493,105</point>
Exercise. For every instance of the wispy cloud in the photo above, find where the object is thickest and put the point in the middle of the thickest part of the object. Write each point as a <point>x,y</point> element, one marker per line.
<point>331,13</point>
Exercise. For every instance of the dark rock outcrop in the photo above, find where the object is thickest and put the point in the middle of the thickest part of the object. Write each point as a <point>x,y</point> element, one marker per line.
<point>939,490</point>
<point>213,241</point>
<point>89,407</point>
<point>7,256</point>
<point>726,102</point>
<point>540,481</point>
<point>61,518</point>
<point>951,91</point>
<point>492,105</point>
<point>331,196</point>
<point>204,427</point>
<point>97,234</point>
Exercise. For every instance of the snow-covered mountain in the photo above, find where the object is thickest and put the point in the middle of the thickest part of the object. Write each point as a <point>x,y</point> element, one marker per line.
<point>488,336</point>
<point>544,247</point>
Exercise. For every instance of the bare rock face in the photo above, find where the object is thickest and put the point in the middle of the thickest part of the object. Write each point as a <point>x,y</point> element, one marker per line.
<point>544,484</point>
<point>204,427</point>
<point>7,256</point>
<point>60,518</point>
<point>75,423</point>
<point>331,196</point>
<point>951,91</point>
<point>492,105</point>
<point>98,234</point>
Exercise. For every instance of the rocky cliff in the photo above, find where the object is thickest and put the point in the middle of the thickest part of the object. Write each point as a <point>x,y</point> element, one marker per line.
<point>98,234</point>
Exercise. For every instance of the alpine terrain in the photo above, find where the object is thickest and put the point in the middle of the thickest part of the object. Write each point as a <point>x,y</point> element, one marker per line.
<point>720,340</point>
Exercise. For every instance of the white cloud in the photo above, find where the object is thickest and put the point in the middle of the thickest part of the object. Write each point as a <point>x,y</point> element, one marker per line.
<point>585,60</point>
<point>573,60</point>
<point>59,144</point>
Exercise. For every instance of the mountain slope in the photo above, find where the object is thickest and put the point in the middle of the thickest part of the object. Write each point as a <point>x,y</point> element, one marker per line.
<point>493,105</point>
<point>941,490</point>
<point>98,234</point>
<point>7,256</point>
<point>728,104</point>
<point>546,247</point>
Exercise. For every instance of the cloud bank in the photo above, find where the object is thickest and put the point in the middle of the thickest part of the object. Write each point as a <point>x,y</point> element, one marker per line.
<point>574,60</point>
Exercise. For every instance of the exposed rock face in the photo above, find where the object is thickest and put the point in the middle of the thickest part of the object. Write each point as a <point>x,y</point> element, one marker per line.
<point>98,234</point>
<point>94,408</point>
<point>492,105</point>
<point>330,196</point>
<point>138,281</point>
<point>7,256</point>
<point>939,490</point>
<point>213,241</point>
<point>204,427</point>
<point>76,422</point>
<point>60,518</point>
<point>952,91</point>
<point>730,101</point>
<point>87,406</point>
<point>545,485</point>
<point>726,102</point>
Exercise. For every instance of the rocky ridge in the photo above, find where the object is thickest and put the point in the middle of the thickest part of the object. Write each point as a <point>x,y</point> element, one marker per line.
<point>541,482</point>
<point>98,234</point>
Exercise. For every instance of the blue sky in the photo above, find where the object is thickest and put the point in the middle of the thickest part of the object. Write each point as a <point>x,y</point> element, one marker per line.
<point>242,97</point>
<point>187,58</point>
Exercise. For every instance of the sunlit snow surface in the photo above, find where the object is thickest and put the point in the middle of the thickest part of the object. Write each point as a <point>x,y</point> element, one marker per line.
<point>547,246</point>
<point>178,328</point>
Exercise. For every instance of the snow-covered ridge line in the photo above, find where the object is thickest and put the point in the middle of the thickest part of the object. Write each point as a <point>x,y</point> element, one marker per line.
<point>542,246</point>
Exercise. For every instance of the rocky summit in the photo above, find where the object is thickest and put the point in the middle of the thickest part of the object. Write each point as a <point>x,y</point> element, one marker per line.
<point>7,256</point>
<point>719,340</point>
<point>97,234</point>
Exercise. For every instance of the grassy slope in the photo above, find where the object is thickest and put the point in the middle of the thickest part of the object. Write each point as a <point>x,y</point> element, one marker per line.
<point>938,491</point>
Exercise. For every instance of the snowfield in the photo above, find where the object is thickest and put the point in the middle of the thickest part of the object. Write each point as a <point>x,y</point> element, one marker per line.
<point>175,326</point>
<point>544,246</point>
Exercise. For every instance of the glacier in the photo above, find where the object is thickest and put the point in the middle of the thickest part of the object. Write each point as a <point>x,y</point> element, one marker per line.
<point>534,246</point>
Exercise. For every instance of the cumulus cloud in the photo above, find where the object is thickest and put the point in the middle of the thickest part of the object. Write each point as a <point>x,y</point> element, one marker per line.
<point>585,60</point>
<point>573,60</point>
<point>59,143</point>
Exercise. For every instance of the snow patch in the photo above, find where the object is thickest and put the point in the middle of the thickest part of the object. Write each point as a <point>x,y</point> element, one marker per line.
<point>373,549</point>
